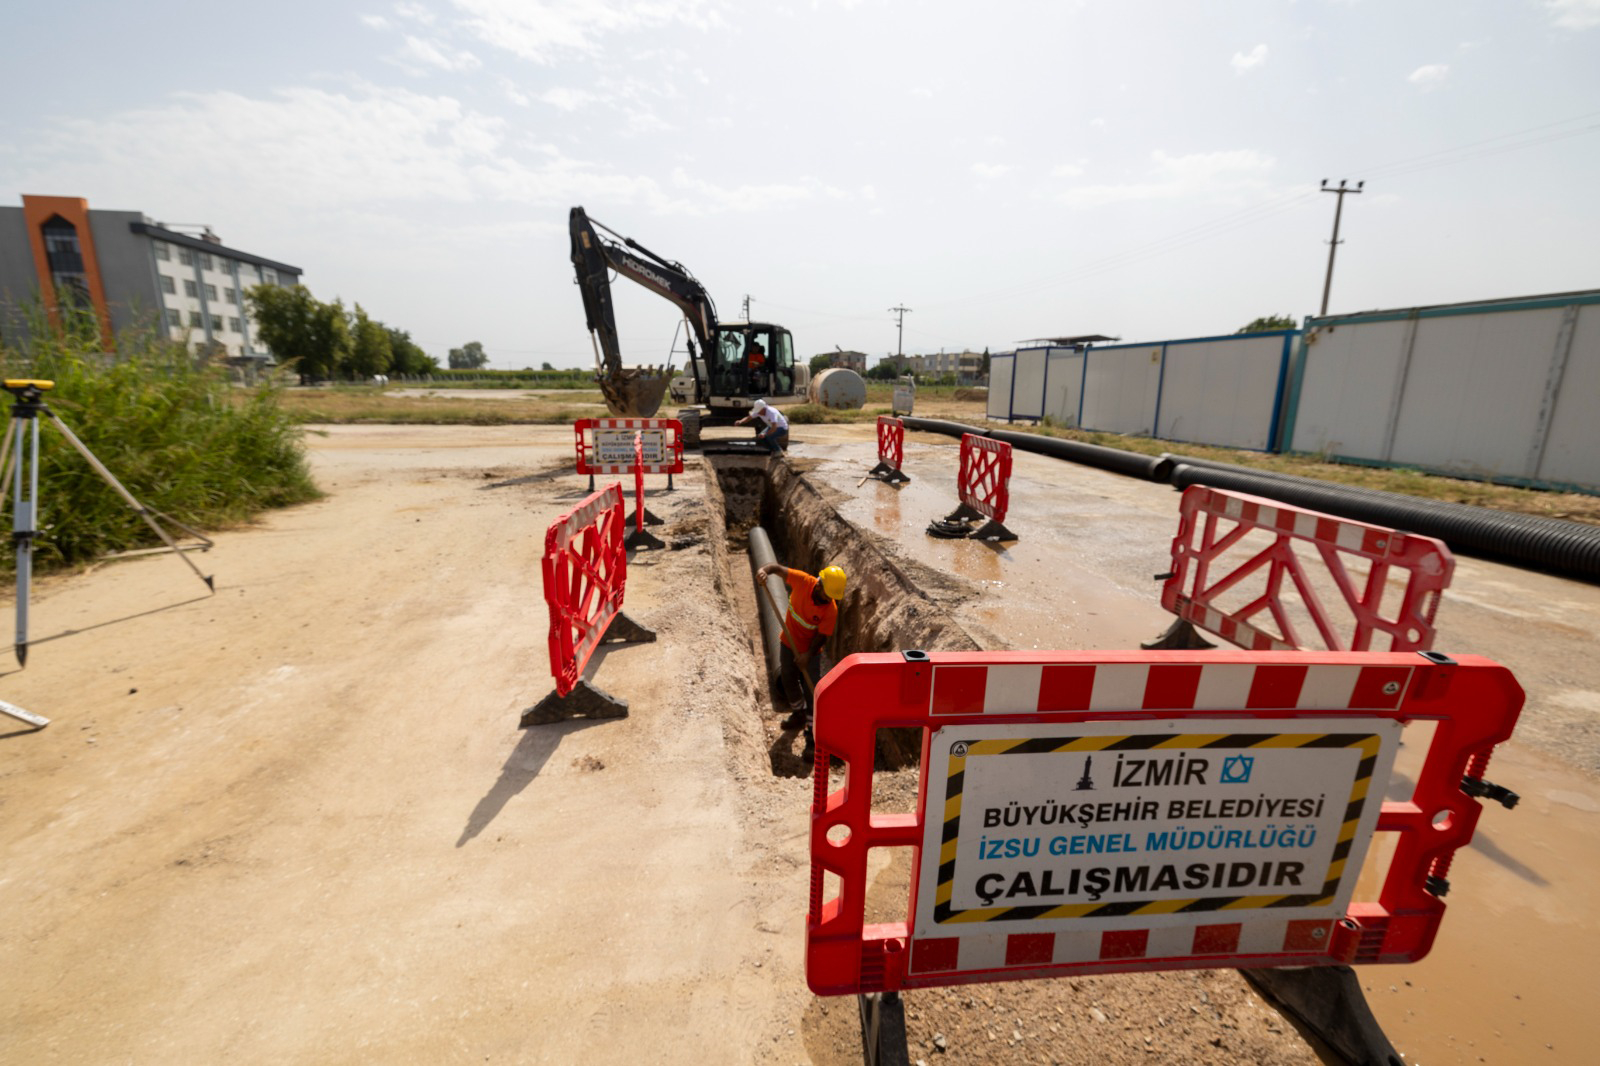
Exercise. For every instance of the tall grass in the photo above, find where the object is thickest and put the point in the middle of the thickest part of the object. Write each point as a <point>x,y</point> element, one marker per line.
<point>175,433</point>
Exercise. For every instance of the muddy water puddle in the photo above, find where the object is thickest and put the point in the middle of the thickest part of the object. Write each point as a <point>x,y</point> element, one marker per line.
<point>1512,976</point>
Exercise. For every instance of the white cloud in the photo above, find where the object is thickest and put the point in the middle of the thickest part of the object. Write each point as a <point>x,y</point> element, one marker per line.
<point>1212,174</point>
<point>540,31</point>
<point>1429,77</point>
<point>923,91</point>
<point>1067,170</point>
<point>1243,62</point>
<point>305,152</point>
<point>415,12</point>
<point>376,22</point>
<point>418,54</point>
<point>1574,14</point>
<point>566,99</point>
<point>990,171</point>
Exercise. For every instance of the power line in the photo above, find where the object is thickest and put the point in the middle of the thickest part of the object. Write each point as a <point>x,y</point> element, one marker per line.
<point>900,324</point>
<point>1333,246</point>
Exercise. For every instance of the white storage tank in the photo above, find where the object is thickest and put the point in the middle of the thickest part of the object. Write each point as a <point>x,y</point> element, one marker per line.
<point>838,387</point>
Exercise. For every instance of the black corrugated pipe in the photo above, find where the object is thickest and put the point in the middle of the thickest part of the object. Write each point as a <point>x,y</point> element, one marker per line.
<point>1133,464</point>
<point>1569,548</point>
<point>938,425</point>
<point>1149,467</point>
<point>761,554</point>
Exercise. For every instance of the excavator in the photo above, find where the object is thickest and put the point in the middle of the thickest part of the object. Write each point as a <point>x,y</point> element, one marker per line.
<point>731,364</point>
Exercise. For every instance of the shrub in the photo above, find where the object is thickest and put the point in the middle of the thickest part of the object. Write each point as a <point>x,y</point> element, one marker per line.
<point>171,429</point>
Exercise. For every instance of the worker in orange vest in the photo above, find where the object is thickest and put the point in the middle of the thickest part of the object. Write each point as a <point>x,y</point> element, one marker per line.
<point>809,619</point>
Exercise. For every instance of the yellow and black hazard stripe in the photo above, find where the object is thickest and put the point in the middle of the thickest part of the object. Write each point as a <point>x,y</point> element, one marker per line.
<point>944,911</point>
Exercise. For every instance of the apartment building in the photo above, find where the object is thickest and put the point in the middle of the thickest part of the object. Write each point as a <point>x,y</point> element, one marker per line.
<point>128,270</point>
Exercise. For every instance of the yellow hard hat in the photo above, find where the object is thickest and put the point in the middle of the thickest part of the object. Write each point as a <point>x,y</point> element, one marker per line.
<point>833,580</point>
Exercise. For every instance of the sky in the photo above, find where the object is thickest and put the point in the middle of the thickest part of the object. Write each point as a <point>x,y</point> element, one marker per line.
<point>1145,169</point>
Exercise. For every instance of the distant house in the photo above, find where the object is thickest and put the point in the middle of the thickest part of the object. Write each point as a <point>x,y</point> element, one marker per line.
<point>856,361</point>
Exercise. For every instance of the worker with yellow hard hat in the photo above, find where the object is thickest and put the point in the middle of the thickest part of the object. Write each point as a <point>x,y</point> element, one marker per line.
<point>809,619</point>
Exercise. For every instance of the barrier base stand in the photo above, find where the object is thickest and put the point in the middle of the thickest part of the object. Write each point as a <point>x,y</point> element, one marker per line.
<point>1326,1002</point>
<point>650,519</point>
<point>638,538</point>
<point>888,474</point>
<point>1181,635</point>
<point>624,630</point>
<point>992,530</point>
<point>38,721</point>
<point>584,701</point>
<point>883,1029</point>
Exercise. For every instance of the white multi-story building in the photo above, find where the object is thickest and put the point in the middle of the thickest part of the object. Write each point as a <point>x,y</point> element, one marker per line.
<point>129,270</point>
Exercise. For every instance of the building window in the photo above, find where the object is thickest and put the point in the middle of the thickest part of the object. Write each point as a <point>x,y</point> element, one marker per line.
<point>194,319</point>
<point>269,277</point>
<point>174,318</point>
<point>205,261</point>
<point>211,292</point>
<point>167,285</point>
<point>190,288</point>
<point>185,257</point>
<point>233,326</point>
<point>216,323</point>
<point>161,250</point>
<point>231,295</point>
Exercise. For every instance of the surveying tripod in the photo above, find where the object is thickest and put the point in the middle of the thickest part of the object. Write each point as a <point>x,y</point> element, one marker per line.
<point>19,465</point>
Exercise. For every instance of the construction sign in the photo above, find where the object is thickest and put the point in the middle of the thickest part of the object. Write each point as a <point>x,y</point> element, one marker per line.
<point>1096,812</point>
<point>606,445</point>
<point>1077,829</point>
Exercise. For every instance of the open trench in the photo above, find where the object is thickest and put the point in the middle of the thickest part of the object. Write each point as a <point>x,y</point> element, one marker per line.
<point>886,607</point>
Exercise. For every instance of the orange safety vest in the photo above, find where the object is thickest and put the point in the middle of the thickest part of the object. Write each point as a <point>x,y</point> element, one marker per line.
<point>806,622</point>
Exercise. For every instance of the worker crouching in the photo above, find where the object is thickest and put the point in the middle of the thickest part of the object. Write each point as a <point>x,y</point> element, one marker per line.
<point>809,618</point>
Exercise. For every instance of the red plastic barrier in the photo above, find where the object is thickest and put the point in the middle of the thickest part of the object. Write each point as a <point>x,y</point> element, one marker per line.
<point>1212,521</point>
<point>985,477</point>
<point>891,441</point>
<point>605,445</point>
<point>638,481</point>
<point>585,571</point>
<point>1093,812</point>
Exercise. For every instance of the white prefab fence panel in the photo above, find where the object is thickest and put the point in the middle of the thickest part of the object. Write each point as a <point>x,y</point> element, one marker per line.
<point>1571,452</point>
<point>1223,391</point>
<point>1501,390</point>
<point>1027,383</point>
<point>1473,391</point>
<point>1063,385</point>
<point>1001,369</point>
<point>1351,375</point>
<point>1120,388</point>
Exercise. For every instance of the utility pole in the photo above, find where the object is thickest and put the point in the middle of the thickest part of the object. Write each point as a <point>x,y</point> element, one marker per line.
<point>747,307</point>
<point>1333,245</point>
<point>900,329</point>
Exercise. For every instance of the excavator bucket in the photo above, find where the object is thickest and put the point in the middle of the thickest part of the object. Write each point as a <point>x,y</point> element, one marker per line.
<point>634,392</point>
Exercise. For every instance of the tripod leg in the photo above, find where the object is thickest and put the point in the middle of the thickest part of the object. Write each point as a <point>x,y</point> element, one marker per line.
<point>22,526</point>
<point>140,509</point>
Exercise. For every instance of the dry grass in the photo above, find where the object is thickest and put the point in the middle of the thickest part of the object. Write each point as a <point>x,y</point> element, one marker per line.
<point>340,405</point>
<point>453,407</point>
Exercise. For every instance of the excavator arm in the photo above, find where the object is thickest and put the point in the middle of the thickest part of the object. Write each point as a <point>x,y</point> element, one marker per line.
<point>633,392</point>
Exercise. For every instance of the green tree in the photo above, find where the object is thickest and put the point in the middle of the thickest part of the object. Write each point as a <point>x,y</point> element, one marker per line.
<point>819,363</point>
<point>370,351</point>
<point>546,367</point>
<point>885,370</point>
<point>284,323</point>
<point>405,356</point>
<point>1267,323</point>
<point>330,346</point>
<point>470,356</point>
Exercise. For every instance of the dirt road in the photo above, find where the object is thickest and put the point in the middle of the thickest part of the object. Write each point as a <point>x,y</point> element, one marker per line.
<point>297,820</point>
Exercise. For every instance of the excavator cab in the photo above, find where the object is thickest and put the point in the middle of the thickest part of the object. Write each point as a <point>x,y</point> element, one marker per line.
<point>752,359</point>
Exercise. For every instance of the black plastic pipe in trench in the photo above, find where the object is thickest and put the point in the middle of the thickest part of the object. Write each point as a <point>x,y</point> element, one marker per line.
<point>1132,464</point>
<point>761,554</point>
<point>1570,548</point>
